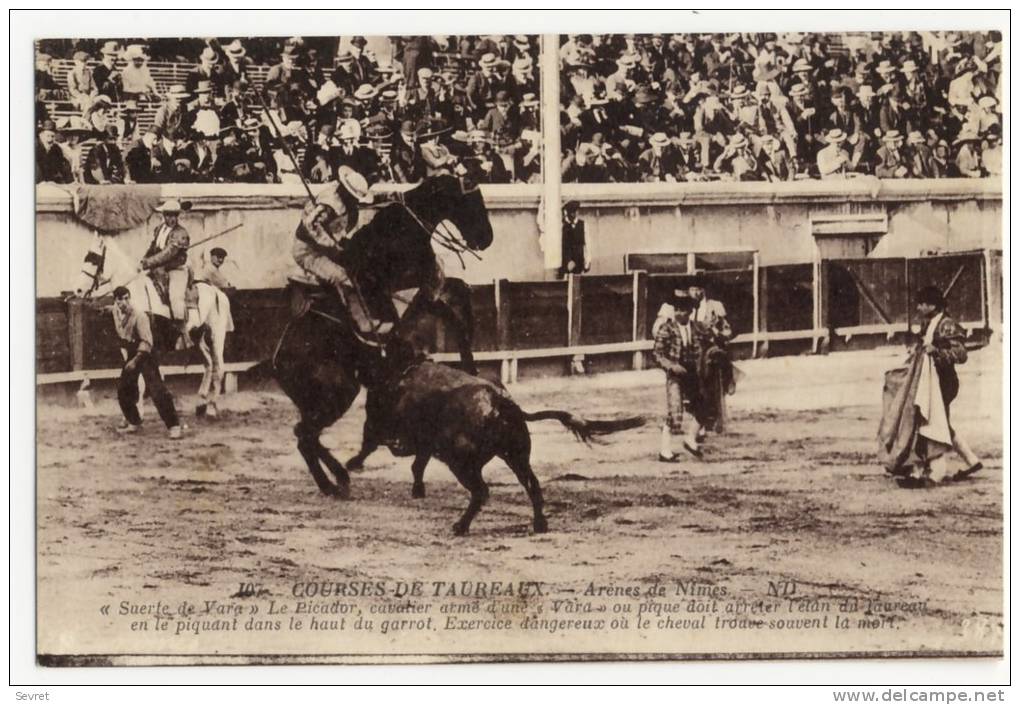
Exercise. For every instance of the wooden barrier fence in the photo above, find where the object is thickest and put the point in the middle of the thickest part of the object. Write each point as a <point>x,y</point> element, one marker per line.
<point>573,323</point>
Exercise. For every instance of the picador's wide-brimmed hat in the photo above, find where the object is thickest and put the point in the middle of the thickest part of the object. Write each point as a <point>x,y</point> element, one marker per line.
<point>354,183</point>
<point>169,206</point>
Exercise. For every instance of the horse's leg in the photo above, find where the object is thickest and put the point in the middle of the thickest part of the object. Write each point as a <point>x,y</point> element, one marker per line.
<point>369,444</point>
<point>347,392</point>
<point>207,379</point>
<point>470,475</point>
<point>370,437</point>
<point>216,341</point>
<point>418,473</point>
<point>454,307</point>
<point>308,445</point>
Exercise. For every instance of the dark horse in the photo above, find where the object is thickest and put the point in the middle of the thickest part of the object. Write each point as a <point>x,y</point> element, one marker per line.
<point>321,363</point>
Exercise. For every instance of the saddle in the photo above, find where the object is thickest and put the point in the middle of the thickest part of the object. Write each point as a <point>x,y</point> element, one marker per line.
<point>308,294</point>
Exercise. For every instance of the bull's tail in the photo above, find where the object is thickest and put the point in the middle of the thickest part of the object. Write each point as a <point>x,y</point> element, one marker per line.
<point>586,429</point>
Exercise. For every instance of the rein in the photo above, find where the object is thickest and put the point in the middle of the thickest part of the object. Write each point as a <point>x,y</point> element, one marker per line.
<point>433,232</point>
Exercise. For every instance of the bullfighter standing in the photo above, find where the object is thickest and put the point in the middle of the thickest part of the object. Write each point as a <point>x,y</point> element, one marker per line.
<point>134,329</point>
<point>679,344</point>
<point>942,340</point>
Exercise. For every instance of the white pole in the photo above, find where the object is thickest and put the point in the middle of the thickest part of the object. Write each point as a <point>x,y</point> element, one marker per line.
<point>552,238</point>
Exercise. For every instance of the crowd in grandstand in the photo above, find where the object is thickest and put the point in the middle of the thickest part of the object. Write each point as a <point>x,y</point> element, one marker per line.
<point>767,107</point>
<point>459,105</point>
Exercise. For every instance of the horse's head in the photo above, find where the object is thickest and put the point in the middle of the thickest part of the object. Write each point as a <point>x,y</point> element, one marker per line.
<point>91,277</point>
<point>447,198</point>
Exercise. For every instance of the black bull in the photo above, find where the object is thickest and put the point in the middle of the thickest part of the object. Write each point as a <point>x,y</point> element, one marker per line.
<point>321,364</point>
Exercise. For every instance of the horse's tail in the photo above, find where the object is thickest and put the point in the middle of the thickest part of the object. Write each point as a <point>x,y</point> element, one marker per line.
<point>586,429</point>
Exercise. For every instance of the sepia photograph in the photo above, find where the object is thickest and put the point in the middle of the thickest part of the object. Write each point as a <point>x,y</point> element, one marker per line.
<point>363,348</point>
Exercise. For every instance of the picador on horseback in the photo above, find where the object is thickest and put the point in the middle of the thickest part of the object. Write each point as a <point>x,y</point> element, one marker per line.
<point>320,240</point>
<point>166,262</point>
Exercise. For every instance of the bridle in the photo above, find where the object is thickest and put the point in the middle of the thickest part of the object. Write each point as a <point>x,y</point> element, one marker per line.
<point>432,230</point>
<point>99,260</point>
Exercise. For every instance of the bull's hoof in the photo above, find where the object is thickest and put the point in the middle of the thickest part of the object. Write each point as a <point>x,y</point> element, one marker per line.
<point>201,409</point>
<point>343,492</point>
<point>541,525</point>
<point>355,464</point>
<point>460,529</point>
<point>418,491</point>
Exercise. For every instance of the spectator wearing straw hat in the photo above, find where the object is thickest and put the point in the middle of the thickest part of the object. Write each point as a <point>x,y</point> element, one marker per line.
<point>522,77</point>
<point>891,161</point>
<point>712,128</point>
<point>234,64</point>
<point>968,156</point>
<point>342,76</point>
<point>419,102</point>
<point>484,165</point>
<point>482,87</point>
<point>659,161</point>
<point>833,160</point>
<point>50,163</point>
<point>806,122</point>
<point>207,71</point>
<point>736,161</point>
<point>919,156</point>
<point>351,153</point>
<point>173,118</point>
<point>81,86</point>
<point>73,131</point>
<point>204,117</point>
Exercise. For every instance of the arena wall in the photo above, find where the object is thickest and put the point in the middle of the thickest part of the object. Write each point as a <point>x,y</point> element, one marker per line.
<point>785,223</point>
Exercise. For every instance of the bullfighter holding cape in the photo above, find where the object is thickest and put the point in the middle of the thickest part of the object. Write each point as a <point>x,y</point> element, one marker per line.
<point>915,433</point>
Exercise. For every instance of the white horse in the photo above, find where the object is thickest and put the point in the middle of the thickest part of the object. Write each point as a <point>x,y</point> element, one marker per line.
<point>106,267</point>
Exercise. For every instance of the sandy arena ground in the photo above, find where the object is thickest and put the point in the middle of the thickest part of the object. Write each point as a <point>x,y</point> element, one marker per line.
<point>791,492</point>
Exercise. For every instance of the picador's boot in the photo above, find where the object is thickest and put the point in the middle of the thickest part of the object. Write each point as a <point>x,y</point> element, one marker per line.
<point>367,328</point>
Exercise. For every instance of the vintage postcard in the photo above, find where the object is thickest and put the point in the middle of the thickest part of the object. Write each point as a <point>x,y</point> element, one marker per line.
<point>451,348</point>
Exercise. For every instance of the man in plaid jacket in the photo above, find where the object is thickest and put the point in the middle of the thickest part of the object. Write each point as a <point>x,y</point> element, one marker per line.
<point>679,344</point>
